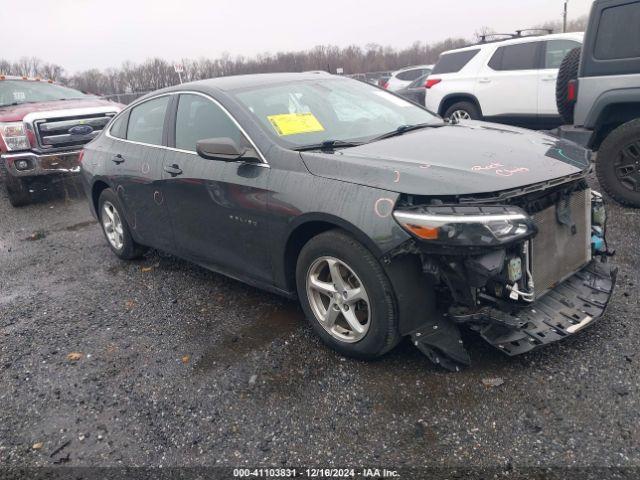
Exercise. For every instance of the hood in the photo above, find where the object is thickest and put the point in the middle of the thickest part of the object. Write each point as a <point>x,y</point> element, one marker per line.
<point>16,113</point>
<point>469,158</point>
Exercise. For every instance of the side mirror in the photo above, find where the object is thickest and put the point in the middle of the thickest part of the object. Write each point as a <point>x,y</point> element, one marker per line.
<point>222,148</point>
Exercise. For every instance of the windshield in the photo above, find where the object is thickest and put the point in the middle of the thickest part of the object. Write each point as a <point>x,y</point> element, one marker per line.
<point>15,92</point>
<point>310,112</point>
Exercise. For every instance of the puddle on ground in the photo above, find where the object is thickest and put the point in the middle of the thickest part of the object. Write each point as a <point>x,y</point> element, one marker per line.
<point>79,226</point>
<point>276,322</point>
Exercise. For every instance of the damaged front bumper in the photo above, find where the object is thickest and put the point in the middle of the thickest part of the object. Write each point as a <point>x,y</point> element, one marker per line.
<point>31,164</point>
<point>563,311</point>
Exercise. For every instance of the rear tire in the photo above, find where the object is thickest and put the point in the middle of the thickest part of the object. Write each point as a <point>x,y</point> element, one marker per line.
<point>115,227</point>
<point>568,72</point>
<point>16,188</point>
<point>618,164</point>
<point>463,111</point>
<point>359,268</point>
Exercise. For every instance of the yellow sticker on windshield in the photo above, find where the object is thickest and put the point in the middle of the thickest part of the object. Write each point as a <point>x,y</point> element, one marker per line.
<point>295,123</point>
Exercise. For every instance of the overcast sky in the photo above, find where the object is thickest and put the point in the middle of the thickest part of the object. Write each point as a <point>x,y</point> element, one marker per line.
<point>83,34</point>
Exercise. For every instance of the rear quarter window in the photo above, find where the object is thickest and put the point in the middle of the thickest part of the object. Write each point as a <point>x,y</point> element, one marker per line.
<point>619,33</point>
<point>119,127</point>
<point>453,62</point>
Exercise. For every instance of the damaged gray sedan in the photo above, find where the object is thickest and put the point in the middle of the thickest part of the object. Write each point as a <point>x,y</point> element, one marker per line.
<point>382,219</point>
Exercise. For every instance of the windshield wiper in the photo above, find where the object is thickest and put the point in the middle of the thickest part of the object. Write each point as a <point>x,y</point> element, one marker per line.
<point>328,145</point>
<point>402,129</point>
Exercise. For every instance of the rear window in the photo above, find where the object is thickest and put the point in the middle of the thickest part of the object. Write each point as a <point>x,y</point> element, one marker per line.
<point>522,56</point>
<point>454,62</point>
<point>618,33</point>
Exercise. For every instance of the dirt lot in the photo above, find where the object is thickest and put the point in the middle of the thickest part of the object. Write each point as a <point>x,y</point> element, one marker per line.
<point>159,362</point>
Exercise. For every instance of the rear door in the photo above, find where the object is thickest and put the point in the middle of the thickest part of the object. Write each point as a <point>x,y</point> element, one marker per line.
<point>217,208</point>
<point>554,52</point>
<point>507,86</point>
<point>137,159</point>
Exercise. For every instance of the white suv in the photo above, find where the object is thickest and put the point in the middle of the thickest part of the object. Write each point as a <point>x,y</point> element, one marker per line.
<point>403,77</point>
<point>511,81</point>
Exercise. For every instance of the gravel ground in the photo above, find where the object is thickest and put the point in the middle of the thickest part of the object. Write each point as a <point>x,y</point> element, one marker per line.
<point>159,362</point>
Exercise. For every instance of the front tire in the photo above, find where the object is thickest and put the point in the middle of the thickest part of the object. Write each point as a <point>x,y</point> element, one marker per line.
<point>16,188</point>
<point>115,227</point>
<point>618,164</point>
<point>463,111</point>
<point>347,296</point>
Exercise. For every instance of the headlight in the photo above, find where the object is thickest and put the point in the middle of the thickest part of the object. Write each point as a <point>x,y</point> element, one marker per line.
<point>467,226</point>
<point>15,136</point>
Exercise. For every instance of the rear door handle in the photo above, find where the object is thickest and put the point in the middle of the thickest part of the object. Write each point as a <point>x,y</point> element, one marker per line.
<point>173,170</point>
<point>549,79</point>
<point>118,159</point>
<point>485,80</point>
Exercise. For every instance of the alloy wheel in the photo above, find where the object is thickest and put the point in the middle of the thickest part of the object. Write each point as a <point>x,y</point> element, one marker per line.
<point>627,166</point>
<point>458,115</point>
<point>112,225</point>
<point>338,299</point>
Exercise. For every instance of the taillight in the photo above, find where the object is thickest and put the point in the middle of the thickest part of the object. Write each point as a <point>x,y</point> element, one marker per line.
<point>572,90</point>
<point>80,156</point>
<point>431,82</point>
<point>384,84</point>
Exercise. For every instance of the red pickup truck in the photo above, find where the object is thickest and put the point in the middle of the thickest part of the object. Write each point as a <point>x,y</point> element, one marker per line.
<point>43,127</point>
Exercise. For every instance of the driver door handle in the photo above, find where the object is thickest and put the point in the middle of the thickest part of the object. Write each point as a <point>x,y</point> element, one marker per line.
<point>173,170</point>
<point>117,159</point>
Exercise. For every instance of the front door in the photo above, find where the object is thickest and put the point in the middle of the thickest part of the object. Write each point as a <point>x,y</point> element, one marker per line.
<point>217,208</point>
<point>554,53</point>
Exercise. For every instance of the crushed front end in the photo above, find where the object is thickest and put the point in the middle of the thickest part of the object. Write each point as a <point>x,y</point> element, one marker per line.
<point>524,268</point>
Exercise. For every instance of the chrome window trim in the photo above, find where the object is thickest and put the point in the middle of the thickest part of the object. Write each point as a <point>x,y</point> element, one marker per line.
<point>263,163</point>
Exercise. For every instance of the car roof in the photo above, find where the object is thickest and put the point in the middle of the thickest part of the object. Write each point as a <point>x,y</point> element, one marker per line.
<point>237,82</point>
<point>514,41</point>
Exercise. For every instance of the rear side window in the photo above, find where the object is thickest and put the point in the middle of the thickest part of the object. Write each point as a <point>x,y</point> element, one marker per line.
<point>556,50</point>
<point>420,81</point>
<point>522,56</point>
<point>454,62</point>
<point>146,121</point>
<point>119,127</point>
<point>619,33</point>
<point>410,75</point>
<point>199,118</point>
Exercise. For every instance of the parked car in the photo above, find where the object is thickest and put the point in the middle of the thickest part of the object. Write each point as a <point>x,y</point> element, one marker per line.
<point>43,126</point>
<point>509,81</point>
<point>383,220</point>
<point>416,90</point>
<point>598,92</point>
<point>403,77</point>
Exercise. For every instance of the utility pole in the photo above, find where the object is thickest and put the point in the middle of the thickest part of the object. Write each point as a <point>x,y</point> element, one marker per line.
<point>564,17</point>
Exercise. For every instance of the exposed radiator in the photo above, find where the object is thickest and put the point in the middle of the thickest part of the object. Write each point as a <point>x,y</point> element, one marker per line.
<point>557,252</point>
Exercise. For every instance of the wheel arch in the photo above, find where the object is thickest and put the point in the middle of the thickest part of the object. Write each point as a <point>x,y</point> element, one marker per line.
<point>96,189</point>
<point>452,98</point>
<point>309,226</point>
<point>612,116</point>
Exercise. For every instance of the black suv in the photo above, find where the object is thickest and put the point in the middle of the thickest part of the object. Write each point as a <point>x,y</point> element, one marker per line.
<point>381,218</point>
<point>598,94</point>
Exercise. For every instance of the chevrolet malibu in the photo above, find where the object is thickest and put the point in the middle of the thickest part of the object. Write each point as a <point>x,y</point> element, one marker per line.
<point>382,219</point>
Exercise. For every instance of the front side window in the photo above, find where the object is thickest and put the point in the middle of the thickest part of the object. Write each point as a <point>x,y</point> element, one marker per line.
<point>15,92</point>
<point>199,118</point>
<point>146,121</point>
<point>619,33</point>
<point>307,112</point>
<point>556,50</point>
<point>522,56</point>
